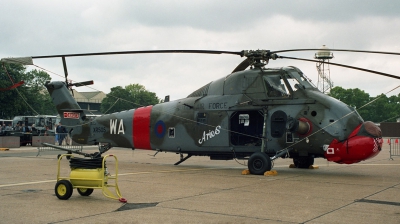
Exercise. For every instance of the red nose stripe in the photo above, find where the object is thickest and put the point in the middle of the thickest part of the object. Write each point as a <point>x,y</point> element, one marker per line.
<point>141,128</point>
<point>354,149</point>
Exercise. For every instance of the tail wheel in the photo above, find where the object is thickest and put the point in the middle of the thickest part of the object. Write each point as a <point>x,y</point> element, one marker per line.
<point>259,163</point>
<point>303,161</point>
<point>85,191</point>
<point>63,189</point>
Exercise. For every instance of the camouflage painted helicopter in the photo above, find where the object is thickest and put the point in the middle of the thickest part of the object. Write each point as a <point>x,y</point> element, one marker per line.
<point>259,114</point>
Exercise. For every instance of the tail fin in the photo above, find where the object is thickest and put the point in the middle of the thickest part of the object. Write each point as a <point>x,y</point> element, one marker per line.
<point>70,112</point>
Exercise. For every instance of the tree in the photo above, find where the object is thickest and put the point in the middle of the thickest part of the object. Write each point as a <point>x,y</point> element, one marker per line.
<point>35,81</point>
<point>140,96</point>
<point>10,105</point>
<point>133,96</point>
<point>381,109</point>
<point>378,108</point>
<point>393,108</point>
<point>353,97</point>
<point>27,99</point>
<point>114,101</point>
<point>385,108</point>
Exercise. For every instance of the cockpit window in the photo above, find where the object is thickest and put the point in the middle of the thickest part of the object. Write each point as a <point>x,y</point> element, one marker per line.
<point>282,83</point>
<point>275,86</point>
<point>297,81</point>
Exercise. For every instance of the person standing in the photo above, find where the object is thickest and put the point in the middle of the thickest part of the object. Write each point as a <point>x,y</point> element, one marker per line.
<point>17,127</point>
<point>9,128</point>
<point>33,129</point>
<point>24,128</point>
<point>55,132</point>
<point>62,132</point>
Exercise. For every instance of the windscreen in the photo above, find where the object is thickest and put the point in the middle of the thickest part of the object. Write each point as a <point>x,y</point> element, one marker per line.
<point>297,81</point>
<point>275,86</point>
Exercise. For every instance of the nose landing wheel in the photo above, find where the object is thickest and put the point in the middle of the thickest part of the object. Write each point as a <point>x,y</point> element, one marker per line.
<point>259,163</point>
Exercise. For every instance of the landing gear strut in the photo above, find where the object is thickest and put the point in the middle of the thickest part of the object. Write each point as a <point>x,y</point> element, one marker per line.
<point>183,159</point>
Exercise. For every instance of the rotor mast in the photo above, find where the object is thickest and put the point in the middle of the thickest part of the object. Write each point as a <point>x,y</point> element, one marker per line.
<point>324,77</point>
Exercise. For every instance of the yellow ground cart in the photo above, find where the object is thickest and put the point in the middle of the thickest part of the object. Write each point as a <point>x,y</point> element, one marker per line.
<point>88,173</point>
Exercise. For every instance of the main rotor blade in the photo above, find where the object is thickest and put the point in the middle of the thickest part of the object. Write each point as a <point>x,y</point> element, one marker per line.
<point>346,66</point>
<point>346,50</point>
<point>242,66</point>
<point>141,52</point>
<point>20,60</point>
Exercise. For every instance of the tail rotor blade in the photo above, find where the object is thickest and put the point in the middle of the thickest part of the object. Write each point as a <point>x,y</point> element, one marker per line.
<point>78,84</point>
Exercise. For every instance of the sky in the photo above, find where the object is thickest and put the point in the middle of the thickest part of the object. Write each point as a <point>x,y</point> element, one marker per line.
<point>35,28</point>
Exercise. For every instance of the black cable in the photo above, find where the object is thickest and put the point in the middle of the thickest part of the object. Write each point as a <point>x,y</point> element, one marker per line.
<point>85,163</point>
<point>236,159</point>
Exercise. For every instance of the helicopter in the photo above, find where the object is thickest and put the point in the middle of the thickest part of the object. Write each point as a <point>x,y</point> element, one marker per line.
<point>254,113</point>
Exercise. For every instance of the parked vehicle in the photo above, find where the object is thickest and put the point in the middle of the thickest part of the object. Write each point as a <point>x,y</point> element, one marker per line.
<point>39,125</point>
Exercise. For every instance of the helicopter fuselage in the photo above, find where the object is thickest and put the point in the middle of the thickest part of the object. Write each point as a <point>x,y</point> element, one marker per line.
<point>271,110</point>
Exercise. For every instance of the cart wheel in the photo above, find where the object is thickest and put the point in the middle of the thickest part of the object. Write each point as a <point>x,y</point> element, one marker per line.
<point>58,156</point>
<point>63,189</point>
<point>85,191</point>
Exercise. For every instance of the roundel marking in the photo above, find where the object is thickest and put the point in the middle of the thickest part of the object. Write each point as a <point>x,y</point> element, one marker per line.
<point>160,129</point>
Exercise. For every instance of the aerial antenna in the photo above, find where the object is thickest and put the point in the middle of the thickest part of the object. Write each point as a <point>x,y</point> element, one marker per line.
<point>324,74</point>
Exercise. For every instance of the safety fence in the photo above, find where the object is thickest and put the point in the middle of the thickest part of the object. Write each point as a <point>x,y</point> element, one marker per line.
<point>62,142</point>
<point>394,149</point>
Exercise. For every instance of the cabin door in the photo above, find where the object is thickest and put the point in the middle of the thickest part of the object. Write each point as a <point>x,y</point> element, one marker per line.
<point>247,128</point>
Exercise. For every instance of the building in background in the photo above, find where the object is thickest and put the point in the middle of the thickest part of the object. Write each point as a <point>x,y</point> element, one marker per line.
<point>90,100</point>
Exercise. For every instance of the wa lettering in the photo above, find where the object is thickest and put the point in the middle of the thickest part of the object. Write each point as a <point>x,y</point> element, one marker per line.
<point>114,123</point>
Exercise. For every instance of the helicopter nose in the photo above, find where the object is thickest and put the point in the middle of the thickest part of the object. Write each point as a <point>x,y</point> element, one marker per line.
<point>363,143</point>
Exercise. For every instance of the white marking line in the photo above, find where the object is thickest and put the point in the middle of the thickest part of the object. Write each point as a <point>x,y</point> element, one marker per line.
<point>27,183</point>
<point>172,171</point>
<point>122,174</point>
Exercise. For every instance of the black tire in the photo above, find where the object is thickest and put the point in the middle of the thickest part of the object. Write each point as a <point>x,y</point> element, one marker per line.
<point>85,191</point>
<point>259,163</point>
<point>63,189</point>
<point>303,162</point>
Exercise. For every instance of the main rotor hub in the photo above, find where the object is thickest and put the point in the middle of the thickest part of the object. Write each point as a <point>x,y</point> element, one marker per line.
<point>258,58</point>
<point>257,54</point>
